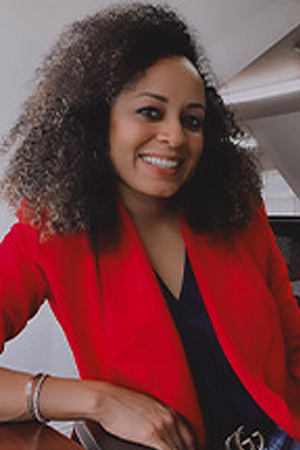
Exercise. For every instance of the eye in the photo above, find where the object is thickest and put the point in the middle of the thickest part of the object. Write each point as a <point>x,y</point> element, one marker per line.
<point>192,122</point>
<point>150,112</point>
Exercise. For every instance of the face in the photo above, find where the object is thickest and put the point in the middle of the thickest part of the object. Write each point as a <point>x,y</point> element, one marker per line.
<point>156,129</point>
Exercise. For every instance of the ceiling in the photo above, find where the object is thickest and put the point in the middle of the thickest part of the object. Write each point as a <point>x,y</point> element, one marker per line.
<point>270,85</point>
<point>266,95</point>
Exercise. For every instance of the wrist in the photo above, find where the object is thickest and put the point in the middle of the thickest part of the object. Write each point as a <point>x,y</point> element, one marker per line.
<point>95,403</point>
<point>32,393</point>
<point>72,399</point>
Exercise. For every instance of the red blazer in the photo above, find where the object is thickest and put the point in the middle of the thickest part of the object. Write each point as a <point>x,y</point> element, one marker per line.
<point>119,326</point>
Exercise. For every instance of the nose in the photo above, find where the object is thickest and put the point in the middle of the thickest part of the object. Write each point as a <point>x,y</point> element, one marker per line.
<point>172,133</point>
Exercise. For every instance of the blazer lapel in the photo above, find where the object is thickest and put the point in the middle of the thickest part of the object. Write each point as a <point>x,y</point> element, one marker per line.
<point>244,315</point>
<point>145,351</point>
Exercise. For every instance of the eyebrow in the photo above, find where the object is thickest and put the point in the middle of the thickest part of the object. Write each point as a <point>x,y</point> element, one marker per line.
<point>164,99</point>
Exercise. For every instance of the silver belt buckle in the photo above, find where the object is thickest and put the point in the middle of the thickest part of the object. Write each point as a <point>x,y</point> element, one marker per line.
<point>236,441</point>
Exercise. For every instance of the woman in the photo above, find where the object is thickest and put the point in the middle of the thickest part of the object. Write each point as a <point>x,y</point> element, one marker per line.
<point>141,223</point>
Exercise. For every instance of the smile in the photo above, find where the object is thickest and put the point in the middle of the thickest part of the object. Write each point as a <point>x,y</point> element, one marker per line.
<point>160,162</point>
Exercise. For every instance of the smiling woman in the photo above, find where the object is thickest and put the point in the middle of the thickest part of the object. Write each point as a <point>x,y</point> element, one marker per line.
<point>63,130</point>
<point>141,222</point>
<point>156,132</point>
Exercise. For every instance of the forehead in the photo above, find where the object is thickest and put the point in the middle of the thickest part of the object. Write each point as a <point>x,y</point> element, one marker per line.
<point>174,77</point>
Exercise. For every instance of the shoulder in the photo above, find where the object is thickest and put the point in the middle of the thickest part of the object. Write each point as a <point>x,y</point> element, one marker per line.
<point>28,222</point>
<point>36,238</point>
<point>21,243</point>
<point>258,239</point>
<point>24,233</point>
<point>258,227</point>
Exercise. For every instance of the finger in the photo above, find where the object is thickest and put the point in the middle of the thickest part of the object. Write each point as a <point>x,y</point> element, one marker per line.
<point>164,430</point>
<point>159,440</point>
<point>170,432</point>
<point>187,434</point>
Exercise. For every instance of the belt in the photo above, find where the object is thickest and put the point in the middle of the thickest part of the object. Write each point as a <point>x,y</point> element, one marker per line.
<point>240,440</point>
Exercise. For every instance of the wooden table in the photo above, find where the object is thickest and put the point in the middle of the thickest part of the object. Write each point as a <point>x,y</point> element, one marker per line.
<point>32,436</point>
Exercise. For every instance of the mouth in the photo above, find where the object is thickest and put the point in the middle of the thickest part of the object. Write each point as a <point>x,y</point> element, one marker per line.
<point>161,162</point>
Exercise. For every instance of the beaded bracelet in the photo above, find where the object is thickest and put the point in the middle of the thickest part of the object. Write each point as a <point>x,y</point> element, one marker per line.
<point>33,390</point>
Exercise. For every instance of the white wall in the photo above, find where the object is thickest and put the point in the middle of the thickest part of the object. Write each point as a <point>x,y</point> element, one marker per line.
<point>279,198</point>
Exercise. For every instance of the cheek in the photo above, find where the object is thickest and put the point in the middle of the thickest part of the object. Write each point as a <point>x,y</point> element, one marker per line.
<point>118,145</point>
<point>128,137</point>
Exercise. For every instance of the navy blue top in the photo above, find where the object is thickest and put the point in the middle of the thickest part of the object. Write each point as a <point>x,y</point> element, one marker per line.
<point>224,402</point>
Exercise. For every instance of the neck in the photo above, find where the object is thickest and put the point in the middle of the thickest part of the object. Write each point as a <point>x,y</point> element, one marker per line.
<point>147,209</point>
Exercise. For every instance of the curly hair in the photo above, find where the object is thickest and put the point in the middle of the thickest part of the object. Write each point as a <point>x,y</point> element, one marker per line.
<point>61,167</point>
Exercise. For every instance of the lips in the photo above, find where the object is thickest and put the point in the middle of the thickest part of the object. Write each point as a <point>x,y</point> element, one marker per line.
<point>164,163</point>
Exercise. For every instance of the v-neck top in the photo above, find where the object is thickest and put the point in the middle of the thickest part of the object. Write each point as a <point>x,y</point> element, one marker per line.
<point>224,401</point>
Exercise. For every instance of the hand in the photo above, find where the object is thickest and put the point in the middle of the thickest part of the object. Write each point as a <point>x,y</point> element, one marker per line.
<point>142,419</point>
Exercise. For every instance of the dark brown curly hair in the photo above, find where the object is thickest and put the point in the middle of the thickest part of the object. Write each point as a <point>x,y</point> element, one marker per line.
<point>61,166</point>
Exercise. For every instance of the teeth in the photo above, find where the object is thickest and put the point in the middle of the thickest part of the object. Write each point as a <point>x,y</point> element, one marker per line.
<point>164,163</point>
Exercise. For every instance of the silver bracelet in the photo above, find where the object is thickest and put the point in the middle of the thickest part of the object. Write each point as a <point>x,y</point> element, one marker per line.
<point>35,397</point>
<point>28,392</point>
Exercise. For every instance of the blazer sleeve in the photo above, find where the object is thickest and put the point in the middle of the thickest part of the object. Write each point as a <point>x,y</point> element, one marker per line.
<point>278,280</point>
<point>22,284</point>
<point>261,244</point>
<point>277,277</point>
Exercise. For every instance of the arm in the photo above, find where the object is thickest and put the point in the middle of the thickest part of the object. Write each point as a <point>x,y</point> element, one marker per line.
<point>128,414</point>
<point>123,412</point>
<point>263,247</point>
<point>23,287</point>
<point>278,280</point>
<point>61,399</point>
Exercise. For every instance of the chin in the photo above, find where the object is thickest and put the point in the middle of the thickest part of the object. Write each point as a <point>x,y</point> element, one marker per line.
<point>159,190</point>
<point>162,195</point>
